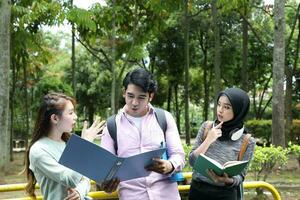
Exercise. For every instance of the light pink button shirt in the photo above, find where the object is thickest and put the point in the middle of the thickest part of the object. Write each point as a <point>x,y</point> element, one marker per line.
<point>131,142</point>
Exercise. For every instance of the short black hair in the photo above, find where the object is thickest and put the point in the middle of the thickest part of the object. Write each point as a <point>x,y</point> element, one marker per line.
<point>142,78</point>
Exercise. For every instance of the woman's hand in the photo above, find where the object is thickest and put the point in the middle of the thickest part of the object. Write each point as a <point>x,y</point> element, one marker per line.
<point>214,133</point>
<point>160,166</point>
<point>95,131</point>
<point>72,194</point>
<point>220,179</point>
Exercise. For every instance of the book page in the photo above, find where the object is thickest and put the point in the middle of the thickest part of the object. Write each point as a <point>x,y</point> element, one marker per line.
<point>204,163</point>
<point>212,161</point>
<point>234,162</point>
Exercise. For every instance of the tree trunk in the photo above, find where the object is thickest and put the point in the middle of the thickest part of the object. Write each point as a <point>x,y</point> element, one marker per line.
<point>278,136</point>
<point>113,65</point>
<point>12,107</point>
<point>202,41</point>
<point>177,110</point>
<point>91,111</point>
<point>206,86</point>
<point>244,70</point>
<point>186,75</point>
<point>289,70</point>
<point>5,13</point>
<point>26,105</point>
<point>217,49</point>
<point>169,98</point>
<point>73,59</point>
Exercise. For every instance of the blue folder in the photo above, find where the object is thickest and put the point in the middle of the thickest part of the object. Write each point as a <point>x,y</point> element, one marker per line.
<point>101,165</point>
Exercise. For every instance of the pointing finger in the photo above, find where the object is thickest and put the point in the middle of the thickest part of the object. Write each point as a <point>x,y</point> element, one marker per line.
<point>219,125</point>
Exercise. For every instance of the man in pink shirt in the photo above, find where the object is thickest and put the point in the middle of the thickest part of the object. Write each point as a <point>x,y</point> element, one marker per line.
<point>138,131</point>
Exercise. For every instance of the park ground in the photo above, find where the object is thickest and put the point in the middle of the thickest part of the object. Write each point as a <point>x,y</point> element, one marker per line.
<point>286,180</point>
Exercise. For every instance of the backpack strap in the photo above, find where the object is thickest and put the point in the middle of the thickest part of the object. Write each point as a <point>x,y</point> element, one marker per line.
<point>161,119</point>
<point>112,130</point>
<point>244,146</point>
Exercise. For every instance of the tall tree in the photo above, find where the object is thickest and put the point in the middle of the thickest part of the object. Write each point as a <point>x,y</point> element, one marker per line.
<point>217,49</point>
<point>113,62</point>
<point>290,72</point>
<point>186,73</point>
<point>73,59</point>
<point>5,13</point>
<point>244,68</point>
<point>278,136</point>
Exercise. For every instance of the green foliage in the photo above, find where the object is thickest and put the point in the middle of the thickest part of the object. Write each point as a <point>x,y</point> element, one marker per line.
<point>83,19</point>
<point>265,159</point>
<point>158,25</point>
<point>262,129</point>
<point>32,14</point>
<point>195,119</point>
<point>187,151</point>
<point>295,132</point>
<point>295,150</point>
<point>92,86</point>
<point>52,83</point>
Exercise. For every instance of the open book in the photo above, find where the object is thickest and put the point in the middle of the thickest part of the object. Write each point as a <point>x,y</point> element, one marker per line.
<point>232,168</point>
<point>101,165</point>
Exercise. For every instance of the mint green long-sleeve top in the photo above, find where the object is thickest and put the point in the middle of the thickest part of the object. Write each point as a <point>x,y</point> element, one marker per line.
<point>54,179</point>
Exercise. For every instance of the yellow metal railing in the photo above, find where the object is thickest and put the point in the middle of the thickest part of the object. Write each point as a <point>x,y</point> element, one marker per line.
<point>181,188</point>
<point>262,184</point>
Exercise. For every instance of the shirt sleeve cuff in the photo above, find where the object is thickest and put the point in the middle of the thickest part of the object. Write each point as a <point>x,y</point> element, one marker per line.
<point>83,187</point>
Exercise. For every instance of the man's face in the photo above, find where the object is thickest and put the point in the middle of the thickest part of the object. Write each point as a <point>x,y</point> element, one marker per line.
<point>136,100</point>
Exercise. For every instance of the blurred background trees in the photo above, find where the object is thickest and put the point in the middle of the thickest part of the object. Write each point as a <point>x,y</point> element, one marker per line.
<point>223,44</point>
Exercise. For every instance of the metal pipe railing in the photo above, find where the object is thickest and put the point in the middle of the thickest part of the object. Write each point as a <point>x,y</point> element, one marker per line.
<point>181,188</point>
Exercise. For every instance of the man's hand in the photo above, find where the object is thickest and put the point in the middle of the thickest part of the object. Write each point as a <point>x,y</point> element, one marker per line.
<point>110,186</point>
<point>160,166</point>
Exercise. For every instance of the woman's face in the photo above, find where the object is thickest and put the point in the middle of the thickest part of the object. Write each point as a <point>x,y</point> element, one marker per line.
<point>224,109</point>
<point>68,118</point>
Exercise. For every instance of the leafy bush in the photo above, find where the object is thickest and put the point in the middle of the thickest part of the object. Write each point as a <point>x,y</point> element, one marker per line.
<point>187,150</point>
<point>265,159</point>
<point>295,150</point>
<point>262,129</point>
<point>295,133</point>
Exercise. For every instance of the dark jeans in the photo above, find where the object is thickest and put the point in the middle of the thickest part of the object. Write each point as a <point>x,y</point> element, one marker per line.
<point>203,191</point>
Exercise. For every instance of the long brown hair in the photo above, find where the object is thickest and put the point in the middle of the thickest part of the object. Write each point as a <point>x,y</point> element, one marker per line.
<point>52,103</point>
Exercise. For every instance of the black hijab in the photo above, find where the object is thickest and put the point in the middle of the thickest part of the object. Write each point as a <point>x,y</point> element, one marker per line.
<point>240,103</point>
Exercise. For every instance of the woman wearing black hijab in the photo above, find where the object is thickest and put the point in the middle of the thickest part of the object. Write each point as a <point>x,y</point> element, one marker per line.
<point>222,142</point>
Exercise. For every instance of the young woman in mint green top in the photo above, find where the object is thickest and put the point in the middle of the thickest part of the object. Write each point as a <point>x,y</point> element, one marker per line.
<point>56,119</point>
